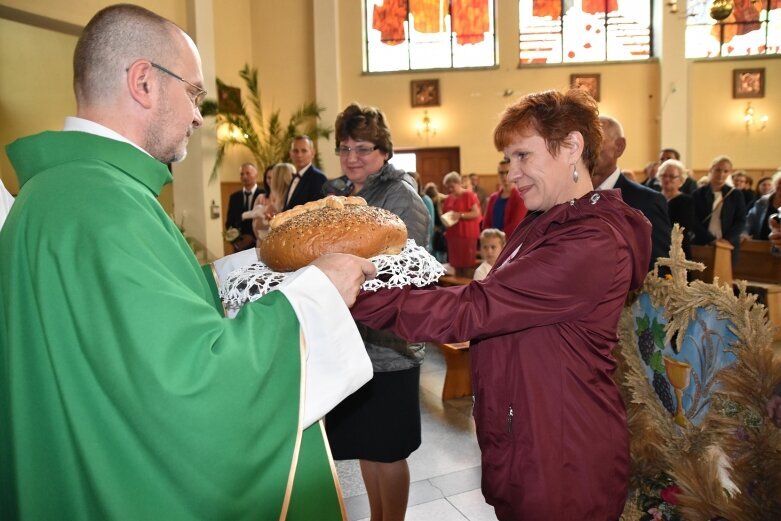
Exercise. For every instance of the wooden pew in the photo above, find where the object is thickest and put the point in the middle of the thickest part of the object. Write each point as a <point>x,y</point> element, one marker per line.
<point>458,378</point>
<point>757,263</point>
<point>717,259</point>
<point>762,272</point>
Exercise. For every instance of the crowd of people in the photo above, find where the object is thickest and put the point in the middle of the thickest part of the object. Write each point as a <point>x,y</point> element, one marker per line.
<point>127,392</point>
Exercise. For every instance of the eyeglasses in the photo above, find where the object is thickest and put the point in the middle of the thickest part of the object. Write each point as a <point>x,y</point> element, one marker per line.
<point>360,151</point>
<point>201,93</point>
<point>669,176</point>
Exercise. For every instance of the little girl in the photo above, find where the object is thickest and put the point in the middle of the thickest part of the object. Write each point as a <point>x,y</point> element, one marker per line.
<point>492,241</point>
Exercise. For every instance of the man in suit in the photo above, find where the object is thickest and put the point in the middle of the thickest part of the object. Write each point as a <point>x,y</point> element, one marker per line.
<point>240,202</point>
<point>652,204</point>
<point>307,184</point>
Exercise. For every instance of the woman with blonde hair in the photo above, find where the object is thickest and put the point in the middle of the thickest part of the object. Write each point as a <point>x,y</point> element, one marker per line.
<point>278,178</point>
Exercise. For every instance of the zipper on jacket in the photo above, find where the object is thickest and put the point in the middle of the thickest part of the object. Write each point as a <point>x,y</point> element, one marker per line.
<point>510,419</point>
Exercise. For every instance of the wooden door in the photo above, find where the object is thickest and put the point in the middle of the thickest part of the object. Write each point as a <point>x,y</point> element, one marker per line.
<point>433,163</point>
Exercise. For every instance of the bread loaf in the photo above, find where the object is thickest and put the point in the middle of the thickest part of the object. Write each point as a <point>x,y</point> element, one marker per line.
<point>331,225</point>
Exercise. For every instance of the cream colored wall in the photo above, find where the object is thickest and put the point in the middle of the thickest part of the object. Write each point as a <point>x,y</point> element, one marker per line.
<point>233,36</point>
<point>717,119</point>
<point>277,38</point>
<point>36,73</point>
<point>80,11</point>
<point>32,98</point>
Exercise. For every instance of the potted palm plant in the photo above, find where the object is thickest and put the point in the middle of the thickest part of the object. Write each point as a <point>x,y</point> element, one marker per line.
<point>245,125</point>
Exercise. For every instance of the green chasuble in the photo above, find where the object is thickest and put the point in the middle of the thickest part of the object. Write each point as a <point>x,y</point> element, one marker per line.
<point>124,392</point>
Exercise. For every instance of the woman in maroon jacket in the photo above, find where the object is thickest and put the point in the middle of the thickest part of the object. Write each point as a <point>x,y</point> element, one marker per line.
<point>550,421</point>
<point>505,208</point>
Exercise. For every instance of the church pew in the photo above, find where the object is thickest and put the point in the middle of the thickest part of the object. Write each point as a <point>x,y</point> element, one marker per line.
<point>717,259</point>
<point>762,272</point>
<point>458,378</point>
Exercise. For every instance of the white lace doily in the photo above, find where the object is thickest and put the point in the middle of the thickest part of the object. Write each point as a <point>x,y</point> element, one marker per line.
<point>413,266</point>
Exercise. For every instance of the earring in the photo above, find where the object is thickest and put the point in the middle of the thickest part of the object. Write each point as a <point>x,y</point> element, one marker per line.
<point>575,173</point>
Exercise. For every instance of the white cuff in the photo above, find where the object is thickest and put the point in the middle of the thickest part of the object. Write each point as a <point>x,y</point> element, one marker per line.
<point>337,364</point>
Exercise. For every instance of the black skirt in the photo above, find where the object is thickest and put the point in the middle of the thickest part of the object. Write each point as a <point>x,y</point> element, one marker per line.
<point>378,422</point>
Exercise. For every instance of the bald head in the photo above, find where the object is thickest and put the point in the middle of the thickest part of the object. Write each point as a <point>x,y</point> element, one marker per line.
<point>613,146</point>
<point>139,75</point>
<point>112,40</point>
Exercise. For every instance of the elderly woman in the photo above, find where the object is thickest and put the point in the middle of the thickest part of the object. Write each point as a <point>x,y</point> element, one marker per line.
<point>719,209</point>
<point>380,423</point>
<point>758,218</point>
<point>464,208</point>
<point>680,206</point>
<point>550,420</point>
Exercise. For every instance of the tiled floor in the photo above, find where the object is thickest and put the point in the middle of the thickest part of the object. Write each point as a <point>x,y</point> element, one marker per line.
<point>444,471</point>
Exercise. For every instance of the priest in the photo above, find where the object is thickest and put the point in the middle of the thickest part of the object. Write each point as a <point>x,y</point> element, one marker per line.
<point>125,393</point>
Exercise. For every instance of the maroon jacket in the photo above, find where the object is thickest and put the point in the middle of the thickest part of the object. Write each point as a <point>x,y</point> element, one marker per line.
<point>550,422</point>
<point>514,212</point>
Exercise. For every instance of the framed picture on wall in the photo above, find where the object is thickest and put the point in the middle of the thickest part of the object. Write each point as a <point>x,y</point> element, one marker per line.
<point>748,83</point>
<point>229,99</point>
<point>425,93</point>
<point>587,82</point>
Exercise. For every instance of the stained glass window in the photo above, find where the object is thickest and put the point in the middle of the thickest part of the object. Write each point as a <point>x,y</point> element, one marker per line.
<point>752,28</point>
<point>570,31</point>
<point>405,35</point>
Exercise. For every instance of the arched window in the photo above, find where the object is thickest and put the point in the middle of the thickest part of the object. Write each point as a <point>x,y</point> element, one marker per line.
<point>752,28</point>
<point>403,35</point>
<point>571,31</point>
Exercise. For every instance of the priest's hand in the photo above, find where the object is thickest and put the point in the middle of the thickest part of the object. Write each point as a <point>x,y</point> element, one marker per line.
<point>346,272</point>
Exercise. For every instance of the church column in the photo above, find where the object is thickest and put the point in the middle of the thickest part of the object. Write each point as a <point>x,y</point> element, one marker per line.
<point>327,75</point>
<point>674,107</point>
<point>193,193</point>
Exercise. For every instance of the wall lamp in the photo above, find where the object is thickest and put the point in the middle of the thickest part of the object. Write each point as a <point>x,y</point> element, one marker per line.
<point>753,120</point>
<point>426,128</point>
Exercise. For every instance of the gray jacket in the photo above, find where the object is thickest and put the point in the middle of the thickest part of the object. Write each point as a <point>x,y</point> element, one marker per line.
<point>394,190</point>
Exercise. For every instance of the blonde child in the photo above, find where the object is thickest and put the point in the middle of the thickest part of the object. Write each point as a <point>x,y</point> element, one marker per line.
<point>492,241</point>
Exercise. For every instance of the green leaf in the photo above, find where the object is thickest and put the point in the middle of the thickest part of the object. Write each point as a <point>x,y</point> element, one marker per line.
<point>656,362</point>
<point>268,139</point>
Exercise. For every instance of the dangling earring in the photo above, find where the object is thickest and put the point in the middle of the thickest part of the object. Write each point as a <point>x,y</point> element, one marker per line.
<point>575,173</point>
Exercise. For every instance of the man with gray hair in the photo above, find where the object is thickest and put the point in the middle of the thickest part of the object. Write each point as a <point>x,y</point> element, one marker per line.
<point>126,393</point>
<point>652,204</point>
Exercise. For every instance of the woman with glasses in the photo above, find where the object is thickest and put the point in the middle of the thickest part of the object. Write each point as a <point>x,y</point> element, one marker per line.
<point>380,423</point>
<point>680,206</point>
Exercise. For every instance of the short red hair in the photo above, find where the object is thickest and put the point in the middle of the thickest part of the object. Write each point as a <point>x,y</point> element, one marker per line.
<point>553,115</point>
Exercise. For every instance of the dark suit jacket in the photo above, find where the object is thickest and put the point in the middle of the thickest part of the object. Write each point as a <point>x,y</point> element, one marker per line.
<point>653,205</point>
<point>309,188</point>
<point>733,216</point>
<point>236,208</point>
